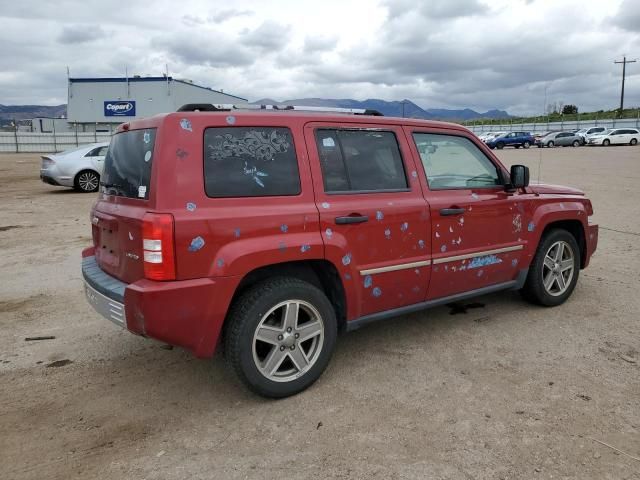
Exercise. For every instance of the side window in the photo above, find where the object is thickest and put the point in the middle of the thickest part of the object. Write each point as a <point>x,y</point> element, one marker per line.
<point>454,162</point>
<point>250,162</point>
<point>102,152</point>
<point>360,160</point>
<point>94,153</point>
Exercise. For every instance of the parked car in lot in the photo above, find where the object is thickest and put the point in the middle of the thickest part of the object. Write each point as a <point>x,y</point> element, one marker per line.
<point>512,139</point>
<point>587,132</point>
<point>79,168</point>
<point>616,136</point>
<point>560,139</point>
<point>485,137</point>
<point>267,232</point>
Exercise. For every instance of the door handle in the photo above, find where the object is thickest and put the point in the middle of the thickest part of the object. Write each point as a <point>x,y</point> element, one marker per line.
<point>445,212</point>
<point>352,219</point>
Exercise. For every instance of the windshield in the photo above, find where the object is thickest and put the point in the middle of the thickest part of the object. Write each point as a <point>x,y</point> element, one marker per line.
<point>604,132</point>
<point>127,166</point>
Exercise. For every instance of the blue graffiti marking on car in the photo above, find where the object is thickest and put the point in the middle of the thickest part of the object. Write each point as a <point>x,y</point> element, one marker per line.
<point>185,124</point>
<point>196,244</point>
<point>484,261</point>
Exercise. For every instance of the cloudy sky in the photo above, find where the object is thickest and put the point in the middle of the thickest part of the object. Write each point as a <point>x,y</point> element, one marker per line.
<point>479,54</point>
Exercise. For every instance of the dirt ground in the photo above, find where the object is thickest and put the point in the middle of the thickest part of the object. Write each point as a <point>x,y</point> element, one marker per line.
<point>507,390</point>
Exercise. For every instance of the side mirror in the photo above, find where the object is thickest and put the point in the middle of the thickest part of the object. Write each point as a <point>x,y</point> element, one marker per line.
<point>519,176</point>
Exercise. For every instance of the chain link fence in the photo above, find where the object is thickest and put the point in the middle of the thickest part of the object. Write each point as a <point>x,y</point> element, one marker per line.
<point>538,127</point>
<point>29,142</point>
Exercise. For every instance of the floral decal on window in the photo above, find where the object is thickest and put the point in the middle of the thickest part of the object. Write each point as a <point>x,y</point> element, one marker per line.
<point>257,144</point>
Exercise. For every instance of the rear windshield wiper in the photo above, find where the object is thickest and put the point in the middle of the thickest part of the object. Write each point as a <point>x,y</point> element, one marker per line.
<point>111,185</point>
<point>114,188</point>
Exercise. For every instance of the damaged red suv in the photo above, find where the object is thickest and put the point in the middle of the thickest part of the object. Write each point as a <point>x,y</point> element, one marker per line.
<point>266,232</point>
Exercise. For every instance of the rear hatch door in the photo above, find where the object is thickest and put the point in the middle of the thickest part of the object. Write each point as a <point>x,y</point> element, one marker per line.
<point>124,199</point>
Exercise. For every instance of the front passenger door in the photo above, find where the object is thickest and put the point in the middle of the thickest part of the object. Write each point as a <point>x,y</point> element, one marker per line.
<point>478,229</point>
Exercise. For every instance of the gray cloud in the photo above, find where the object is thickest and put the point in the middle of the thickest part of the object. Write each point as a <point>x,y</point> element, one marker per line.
<point>224,15</point>
<point>628,16</point>
<point>81,34</point>
<point>441,53</point>
<point>270,36</point>
<point>436,9</point>
<point>204,47</point>
<point>320,43</point>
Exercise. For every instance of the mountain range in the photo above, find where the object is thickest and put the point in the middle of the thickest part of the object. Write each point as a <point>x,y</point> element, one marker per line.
<point>404,108</point>
<point>22,112</point>
<point>393,108</point>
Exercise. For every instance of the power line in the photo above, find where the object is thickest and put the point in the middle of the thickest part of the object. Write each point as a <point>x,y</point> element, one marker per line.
<point>624,69</point>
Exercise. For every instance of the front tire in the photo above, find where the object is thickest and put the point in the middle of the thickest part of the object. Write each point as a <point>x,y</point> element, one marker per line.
<point>87,181</point>
<point>606,142</point>
<point>551,144</point>
<point>499,145</point>
<point>576,143</point>
<point>554,270</point>
<point>280,336</point>
<point>634,141</point>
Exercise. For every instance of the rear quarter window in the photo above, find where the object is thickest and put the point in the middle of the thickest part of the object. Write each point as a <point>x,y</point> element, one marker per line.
<point>250,162</point>
<point>127,166</point>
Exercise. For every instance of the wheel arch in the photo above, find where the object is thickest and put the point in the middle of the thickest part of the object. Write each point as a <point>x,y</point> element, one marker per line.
<point>321,273</point>
<point>576,229</point>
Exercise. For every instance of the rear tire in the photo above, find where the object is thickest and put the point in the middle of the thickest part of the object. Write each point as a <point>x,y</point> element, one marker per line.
<point>265,325</point>
<point>606,142</point>
<point>526,144</point>
<point>87,181</point>
<point>553,273</point>
<point>634,141</point>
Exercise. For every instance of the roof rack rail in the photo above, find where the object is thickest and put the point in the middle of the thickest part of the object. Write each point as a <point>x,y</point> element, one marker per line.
<point>227,107</point>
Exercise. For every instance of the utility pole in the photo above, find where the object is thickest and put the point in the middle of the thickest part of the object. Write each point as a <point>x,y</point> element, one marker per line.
<point>624,69</point>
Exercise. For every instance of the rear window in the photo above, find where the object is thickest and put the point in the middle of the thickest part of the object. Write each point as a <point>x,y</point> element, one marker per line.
<point>250,162</point>
<point>127,166</point>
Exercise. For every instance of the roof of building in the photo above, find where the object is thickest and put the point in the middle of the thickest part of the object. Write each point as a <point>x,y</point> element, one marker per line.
<point>146,79</point>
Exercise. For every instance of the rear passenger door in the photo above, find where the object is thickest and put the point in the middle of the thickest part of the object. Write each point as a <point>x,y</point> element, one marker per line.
<point>562,139</point>
<point>96,158</point>
<point>618,137</point>
<point>374,219</point>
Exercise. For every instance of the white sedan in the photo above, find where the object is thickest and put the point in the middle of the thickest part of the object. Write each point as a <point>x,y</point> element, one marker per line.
<point>616,136</point>
<point>79,168</point>
<point>485,137</point>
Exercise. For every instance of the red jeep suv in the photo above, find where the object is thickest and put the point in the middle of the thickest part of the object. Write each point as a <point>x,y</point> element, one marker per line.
<point>266,232</point>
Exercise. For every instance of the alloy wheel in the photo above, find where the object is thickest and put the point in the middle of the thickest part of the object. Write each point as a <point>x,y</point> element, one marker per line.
<point>288,340</point>
<point>88,181</point>
<point>558,268</point>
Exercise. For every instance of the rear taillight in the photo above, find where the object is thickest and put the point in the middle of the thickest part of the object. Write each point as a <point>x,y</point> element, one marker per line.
<point>158,246</point>
<point>47,162</point>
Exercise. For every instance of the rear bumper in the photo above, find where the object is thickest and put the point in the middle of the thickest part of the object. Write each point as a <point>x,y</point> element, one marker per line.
<point>185,313</point>
<point>50,177</point>
<point>104,293</point>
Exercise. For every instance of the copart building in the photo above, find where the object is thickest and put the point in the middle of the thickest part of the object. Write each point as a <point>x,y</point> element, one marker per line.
<point>101,104</point>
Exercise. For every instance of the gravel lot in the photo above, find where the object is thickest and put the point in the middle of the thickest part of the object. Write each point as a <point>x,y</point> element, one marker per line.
<point>507,390</point>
